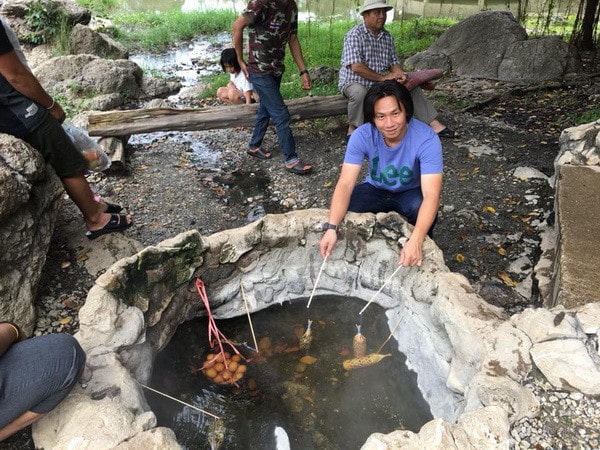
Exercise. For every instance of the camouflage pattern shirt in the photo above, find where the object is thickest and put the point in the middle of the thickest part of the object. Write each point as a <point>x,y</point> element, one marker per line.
<point>272,24</point>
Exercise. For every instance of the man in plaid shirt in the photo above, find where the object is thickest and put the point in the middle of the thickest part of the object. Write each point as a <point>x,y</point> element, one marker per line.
<point>369,56</point>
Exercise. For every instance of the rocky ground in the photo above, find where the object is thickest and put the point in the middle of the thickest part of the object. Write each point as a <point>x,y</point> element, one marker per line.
<point>496,201</point>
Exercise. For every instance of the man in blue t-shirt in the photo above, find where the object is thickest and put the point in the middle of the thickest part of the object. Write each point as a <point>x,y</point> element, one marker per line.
<point>29,113</point>
<point>405,169</point>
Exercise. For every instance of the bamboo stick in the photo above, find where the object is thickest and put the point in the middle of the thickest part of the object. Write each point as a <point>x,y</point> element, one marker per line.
<point>380,289</point>
<point>248,314</point>
<point>317,281</point>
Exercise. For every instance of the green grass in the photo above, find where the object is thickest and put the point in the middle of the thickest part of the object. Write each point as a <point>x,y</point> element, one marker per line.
<point>156,31</point>
<point>588,116</point>
<point>321,41</point>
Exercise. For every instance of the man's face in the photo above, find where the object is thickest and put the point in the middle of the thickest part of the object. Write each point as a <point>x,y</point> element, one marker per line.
<point>375,19</point>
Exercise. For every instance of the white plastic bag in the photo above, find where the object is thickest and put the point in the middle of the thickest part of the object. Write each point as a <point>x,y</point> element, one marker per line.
<point>97,159</point>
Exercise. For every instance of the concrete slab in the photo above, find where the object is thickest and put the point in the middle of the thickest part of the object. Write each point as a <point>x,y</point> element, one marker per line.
<point>578,221</point>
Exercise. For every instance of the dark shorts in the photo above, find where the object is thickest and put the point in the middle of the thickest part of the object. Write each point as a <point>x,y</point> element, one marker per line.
<point>37,374</point>
<point>57,148</point>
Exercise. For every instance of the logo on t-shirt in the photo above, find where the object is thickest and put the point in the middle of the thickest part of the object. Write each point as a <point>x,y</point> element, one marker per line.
<point>390,175</point>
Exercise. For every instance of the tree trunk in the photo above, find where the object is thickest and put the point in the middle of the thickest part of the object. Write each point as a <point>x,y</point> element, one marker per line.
<point>124,123</point>
<point>584,37</point>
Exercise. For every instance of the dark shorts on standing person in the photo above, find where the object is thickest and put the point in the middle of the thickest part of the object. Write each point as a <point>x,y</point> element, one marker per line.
<point>55,145</point>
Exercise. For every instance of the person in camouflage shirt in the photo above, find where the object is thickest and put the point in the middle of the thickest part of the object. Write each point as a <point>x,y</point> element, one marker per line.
<point>271,25</point>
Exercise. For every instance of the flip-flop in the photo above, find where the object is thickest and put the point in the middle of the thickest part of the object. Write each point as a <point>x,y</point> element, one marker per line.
<point>111,208</point>
<point>448,133</point>
<point>117,222</point>
<point>298,168</point>
<point>258,153</point>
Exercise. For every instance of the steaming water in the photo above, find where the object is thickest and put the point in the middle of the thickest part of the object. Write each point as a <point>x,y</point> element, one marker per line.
<point>323,407</point>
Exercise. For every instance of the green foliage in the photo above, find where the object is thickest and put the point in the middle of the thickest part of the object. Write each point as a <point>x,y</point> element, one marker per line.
<point>588,116</point>
<point>44,19</point>
<point>62,39</point>
<point>543,25</point>
<point>155,31</point>
<point>100,7</point>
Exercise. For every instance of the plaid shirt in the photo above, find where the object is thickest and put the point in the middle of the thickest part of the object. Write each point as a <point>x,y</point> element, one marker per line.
<point>378,53</point>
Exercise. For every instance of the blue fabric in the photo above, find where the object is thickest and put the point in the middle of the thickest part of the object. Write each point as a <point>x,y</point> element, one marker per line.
<point>399,168</point>
<point>37,374</point>
<point>272,106</point>
<point>367,198</point>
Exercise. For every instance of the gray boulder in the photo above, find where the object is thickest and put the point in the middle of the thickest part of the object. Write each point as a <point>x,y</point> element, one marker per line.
<point>492,44</point>
<point>31,196</point>
<point>84,40</point>
<point>540,59</point>
<point>15,11</point>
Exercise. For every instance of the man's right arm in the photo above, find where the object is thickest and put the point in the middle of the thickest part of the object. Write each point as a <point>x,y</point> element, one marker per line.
<point>238,41</point>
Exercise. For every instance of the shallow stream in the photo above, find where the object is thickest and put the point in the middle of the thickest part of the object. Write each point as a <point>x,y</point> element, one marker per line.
<point>319,405</point>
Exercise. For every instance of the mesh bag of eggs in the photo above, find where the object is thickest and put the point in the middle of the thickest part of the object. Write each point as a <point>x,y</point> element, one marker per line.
<point>223,368</point>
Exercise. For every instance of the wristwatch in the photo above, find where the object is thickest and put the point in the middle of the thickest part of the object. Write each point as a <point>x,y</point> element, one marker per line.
<point>302,72</point>
<point>329,226</point>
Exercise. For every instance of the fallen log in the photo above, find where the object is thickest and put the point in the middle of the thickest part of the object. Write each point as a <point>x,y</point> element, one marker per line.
<point>123,123</point>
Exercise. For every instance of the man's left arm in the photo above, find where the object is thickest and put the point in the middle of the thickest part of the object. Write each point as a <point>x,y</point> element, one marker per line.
<point>412,251</point>
<point>27,84</point>
<point>296,51</point>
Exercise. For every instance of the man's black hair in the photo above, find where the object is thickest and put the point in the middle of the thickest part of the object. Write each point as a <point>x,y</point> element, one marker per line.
<point>386,89</point>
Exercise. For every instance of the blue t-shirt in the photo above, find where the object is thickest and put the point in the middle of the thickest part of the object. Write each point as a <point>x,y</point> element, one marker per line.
<point>399,168</point>
<point>19,115</point>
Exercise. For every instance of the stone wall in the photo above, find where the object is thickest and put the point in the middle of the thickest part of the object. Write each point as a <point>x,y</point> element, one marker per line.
<point>450,335</point>
<point>31,196</point>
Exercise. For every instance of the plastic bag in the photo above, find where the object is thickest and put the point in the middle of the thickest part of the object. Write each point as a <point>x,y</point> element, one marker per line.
<point>97,159</point>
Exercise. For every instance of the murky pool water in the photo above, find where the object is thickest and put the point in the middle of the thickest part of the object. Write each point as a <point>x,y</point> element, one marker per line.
<point>319,405</point>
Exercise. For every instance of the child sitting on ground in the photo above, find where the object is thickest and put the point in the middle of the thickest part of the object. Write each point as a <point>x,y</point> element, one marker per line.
<point>239,90</point>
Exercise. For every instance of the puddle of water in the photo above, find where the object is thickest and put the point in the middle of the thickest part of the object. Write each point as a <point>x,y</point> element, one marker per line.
<point>324,406</point>
<point>201,153</point>
<point>187,62</point>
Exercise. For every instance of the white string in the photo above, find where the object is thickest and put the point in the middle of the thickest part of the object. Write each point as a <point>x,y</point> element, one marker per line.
<point>179,401</point>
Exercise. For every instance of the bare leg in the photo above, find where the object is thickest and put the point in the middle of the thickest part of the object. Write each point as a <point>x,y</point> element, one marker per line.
<point>93,212</point>
<point>24,420</point>
<point>437,125</point>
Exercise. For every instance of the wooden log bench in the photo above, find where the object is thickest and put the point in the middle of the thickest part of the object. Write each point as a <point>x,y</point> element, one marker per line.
<point>126,123</point>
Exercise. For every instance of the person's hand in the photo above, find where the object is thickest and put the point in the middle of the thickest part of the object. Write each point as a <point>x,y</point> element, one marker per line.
<point>306,81</point>
<point>57,112</point>
<point>412,253</point>
<point>244,68</point>
<point>327,242</point>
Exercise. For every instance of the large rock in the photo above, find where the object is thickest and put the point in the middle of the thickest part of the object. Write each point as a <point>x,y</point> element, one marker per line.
<point>84,40</point>
<point>31,196</point>
<point>15,11</point>
<point>545,58</point>
<point>90,74</point>
<point>492,44</point>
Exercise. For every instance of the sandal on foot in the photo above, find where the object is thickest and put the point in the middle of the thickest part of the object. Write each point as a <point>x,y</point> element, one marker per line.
<point>448,133</point>
<point>299,168</point>
<point>258,153</point>
<point>117,222</point>
<point>111,208</point>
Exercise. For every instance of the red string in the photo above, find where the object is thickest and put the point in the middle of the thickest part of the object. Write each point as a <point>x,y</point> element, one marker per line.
<point>212,327</point>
